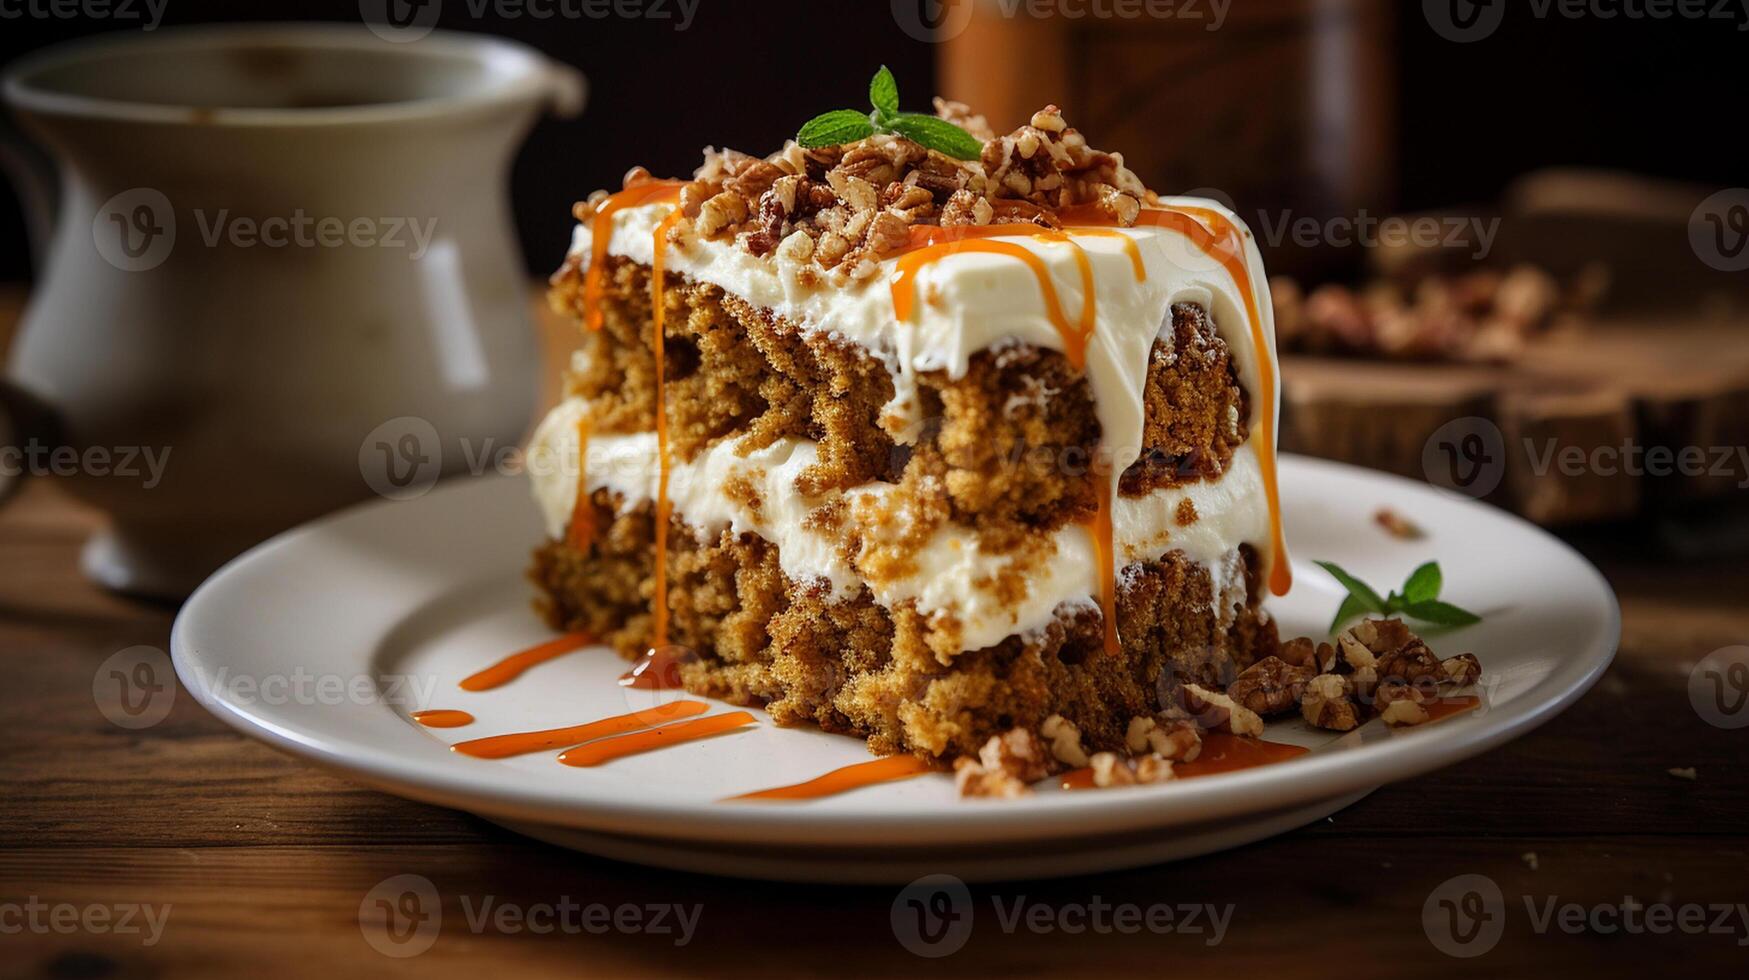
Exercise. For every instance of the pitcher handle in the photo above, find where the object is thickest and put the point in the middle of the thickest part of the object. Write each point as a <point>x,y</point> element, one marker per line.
<point>567,89</point>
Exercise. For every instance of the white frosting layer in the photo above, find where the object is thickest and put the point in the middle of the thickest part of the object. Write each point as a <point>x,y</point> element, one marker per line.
<point>953,573</point>
<point>968,302</point>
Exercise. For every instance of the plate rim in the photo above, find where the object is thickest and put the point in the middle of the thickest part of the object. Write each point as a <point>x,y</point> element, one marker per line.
<point>1319,775</point>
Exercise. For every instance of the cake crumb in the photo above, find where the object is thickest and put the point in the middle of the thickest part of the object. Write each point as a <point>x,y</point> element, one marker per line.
<point>1530,860</point>
<point>1397,526</point>
<point>1686,772</point>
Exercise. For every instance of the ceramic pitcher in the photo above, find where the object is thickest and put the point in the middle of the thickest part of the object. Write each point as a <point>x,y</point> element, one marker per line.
<point>283,276</point>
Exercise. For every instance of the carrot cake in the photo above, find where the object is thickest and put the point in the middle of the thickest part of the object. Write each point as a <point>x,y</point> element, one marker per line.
<point>917,436</point>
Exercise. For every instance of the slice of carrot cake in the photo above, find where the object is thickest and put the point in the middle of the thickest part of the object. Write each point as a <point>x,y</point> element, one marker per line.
<point>917,433</point>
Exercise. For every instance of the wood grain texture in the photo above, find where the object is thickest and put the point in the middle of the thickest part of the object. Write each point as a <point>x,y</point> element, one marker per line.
<point>1645,384</point>
<point>264,863</point>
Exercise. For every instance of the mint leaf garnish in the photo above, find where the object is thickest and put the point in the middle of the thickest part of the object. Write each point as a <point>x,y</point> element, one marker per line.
<point>833,128</point>
<point>883,92</point>
<point>1441,613</point>
<point>1352,606</point>
<point>849,125</point>
<point>1423,583</point>
<point>1418,600</point>
<point>938,134</point>
<point>1369,600</point>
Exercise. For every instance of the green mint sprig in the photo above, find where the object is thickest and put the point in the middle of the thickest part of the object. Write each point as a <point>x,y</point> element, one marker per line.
<point>1418,600</point>
<point>842,126</point>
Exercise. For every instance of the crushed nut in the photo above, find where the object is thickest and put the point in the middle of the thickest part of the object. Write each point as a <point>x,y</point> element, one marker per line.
<point>1218,712</point>
<point>1110,769</point>
<point>1270,686</point>
<point>1326,703</point>
<point>720,213</point>
<point>1006,766</point>
<point>1403,712</point>
<point>1396,525</point>
<point>1462,669</point>
<point>1065,740</point>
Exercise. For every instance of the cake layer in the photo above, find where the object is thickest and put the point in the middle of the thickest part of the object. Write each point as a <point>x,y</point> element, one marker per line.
<point>737,371</point>
<point>852,666</point>
<point>989,590</point>
<point>972,301</point>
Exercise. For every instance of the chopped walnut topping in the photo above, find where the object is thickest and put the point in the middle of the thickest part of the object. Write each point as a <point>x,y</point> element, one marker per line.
<point>1396,525</point>
<point>1111,769</point>
<point>856,203</point>
<point>1302,652</point>
<point>1218,712</point>
<point>719,213</point>
<point>1326,703</point>
<point>1270,686</point>
<point>1403,712</point>
<point>1178,740</point>
<point>1006,766</point>
<point>1065,740</point>
<point>1377,662</point>
<point>1462,669</point>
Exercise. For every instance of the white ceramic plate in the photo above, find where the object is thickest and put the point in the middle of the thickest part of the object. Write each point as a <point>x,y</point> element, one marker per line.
<point>323,640</point>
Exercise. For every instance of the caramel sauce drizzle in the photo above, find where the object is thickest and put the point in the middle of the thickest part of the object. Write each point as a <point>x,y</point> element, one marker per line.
<point>522,743</point>
<point>1220,753</point>
<point>1447,707</point>
<point>443,718</point>
<point>1225,244</point>
<point>581,530</point>
<point>884,770</point>
<point>658,284</point>
<point>930,244</point>
<point>608,749</point>
<point>513,666</point>
<point>657,670</point>
<point>1230,753</point>
<point>601,230</point>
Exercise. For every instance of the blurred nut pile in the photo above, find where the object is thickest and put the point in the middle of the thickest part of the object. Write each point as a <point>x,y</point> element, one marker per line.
<point>1485,316</point>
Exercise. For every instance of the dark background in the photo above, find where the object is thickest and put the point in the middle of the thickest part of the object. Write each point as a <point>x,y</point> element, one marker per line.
<point>1661,98</point>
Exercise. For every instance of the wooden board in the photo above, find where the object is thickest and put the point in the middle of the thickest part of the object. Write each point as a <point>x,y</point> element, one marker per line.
<point>1576,416</point>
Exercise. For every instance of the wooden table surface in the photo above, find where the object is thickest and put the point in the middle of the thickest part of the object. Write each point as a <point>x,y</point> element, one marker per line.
<point>264,863</point>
